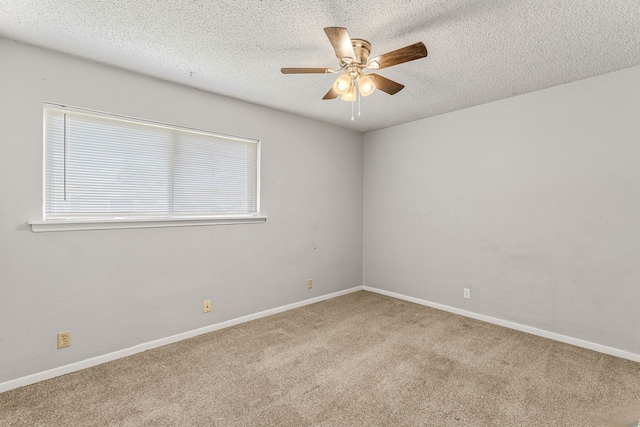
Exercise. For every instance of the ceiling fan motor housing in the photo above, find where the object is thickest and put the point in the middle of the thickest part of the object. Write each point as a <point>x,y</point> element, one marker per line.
<point>361,49</point>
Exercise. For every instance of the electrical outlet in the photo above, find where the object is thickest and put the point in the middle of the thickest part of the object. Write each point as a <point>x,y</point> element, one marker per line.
<point>309,284</point>
<point>207,306</point>
<point>64,339</point>
<point>467,293</point>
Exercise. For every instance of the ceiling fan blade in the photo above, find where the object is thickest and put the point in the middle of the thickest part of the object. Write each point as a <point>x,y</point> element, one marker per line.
<point>339,38</point>
<point>386,85</point>
<point>400,56</point>
<point>332,94</point>
<point>306,70</point>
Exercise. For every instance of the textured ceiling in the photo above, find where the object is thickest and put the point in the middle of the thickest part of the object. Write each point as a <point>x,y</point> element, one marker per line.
<point>479,50</point>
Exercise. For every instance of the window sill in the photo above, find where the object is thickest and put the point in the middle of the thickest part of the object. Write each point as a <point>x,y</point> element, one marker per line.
<point>78,225</point>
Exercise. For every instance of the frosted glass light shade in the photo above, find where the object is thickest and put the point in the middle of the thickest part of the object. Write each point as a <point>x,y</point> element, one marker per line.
<point>350,95</point>
<point>366,86</point>
<point>342,84</point>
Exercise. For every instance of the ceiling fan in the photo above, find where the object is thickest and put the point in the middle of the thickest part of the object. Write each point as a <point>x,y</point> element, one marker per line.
<point>353,55</point>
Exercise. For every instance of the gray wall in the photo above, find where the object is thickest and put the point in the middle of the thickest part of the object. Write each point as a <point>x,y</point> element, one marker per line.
<point>115,289</point>
<point>533,202</point>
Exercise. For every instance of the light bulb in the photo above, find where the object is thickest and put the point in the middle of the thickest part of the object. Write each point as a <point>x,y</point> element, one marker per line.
<point>342,84</point>
<point>366,86</point>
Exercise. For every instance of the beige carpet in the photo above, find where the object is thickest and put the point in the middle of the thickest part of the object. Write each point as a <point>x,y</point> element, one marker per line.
<point>358,360</point>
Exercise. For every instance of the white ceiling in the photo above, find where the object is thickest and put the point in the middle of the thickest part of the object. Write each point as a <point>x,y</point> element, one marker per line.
<point>479,50</point>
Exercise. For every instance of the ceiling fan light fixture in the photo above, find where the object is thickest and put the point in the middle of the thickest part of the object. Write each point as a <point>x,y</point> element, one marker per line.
<point>366,85</point>
<point>350,96</point>
<point>342,84</point>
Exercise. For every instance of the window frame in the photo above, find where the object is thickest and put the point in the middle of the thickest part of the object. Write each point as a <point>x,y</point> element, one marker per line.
<point>103,221</point>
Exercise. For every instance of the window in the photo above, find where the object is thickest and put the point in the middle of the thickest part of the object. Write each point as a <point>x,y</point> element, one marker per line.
<point>103,167</point>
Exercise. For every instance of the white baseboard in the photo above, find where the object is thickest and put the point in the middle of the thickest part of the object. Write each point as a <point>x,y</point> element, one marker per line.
<point>98,360</point>
<point>517,326</point>
<point>94,361</point>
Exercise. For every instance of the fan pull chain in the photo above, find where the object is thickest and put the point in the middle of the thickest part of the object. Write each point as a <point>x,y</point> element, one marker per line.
<point>359,98</point>
<point>352,118</point>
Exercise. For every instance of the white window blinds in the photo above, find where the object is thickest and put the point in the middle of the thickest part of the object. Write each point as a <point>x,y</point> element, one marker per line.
<point>109,167</point>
